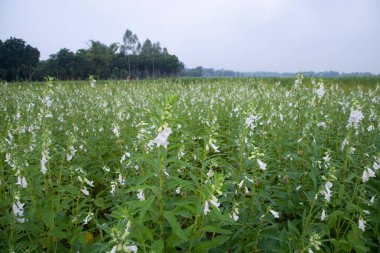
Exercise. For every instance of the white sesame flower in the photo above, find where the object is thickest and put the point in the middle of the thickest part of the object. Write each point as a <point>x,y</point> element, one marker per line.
<point>367,174</point>
<point>71,154</point>
<point>206,209</point>
<point>210,173</point>
<point>275,214</point>
<point>18,211</point>
<point>327,191</point>
<point>344,144</point>
<point>122,159</point>
<point>262,165</point>
<point>241,183</point>
<point>69,157</point>
<point>114,249</point>
<point>88,182</point>
<point>371,173</point>
<point>323,215</point>
<point>215,203</point>
<point>43,163</point>
<point>372,200</point>
<point>370,128</point>
<point>140,195</point>
<point>178,190</point>
<point>7,158</point>
<point>322,124</point>
<point>85,191</point>
<point>121,180</point>
<point>355,117</point>
<point>106,169</point>
<point>47,101</point>
<point>162,138</point>
<point>362,224</point>
<point>251,120</point>
<point>132,249</point>
<point>116,131</point>
<point>21,181</point>
<point>367,212</point>
<point>113,188</point>
<point>88,218</point>
<point>235,216</point>
<point>327,157</point>
<point>214,147</point>
<point>320,91</point>
<point>376,165</point>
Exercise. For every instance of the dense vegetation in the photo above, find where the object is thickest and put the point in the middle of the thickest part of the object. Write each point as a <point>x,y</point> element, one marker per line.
<point>239,165</point>
<point>19,61</point>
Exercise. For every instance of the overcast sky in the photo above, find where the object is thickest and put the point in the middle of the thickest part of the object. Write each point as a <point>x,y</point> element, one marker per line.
<point>241,35</point>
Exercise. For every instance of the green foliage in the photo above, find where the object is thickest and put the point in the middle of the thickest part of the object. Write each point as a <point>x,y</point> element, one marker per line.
<point>18,61</point>
<point>243,165</point>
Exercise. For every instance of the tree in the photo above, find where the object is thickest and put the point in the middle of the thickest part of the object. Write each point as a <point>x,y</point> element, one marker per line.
<point>17,59</point>
<point>63,63</point>
<point>30,59</point>
<point>131,45</point>
<point>101,57</point>
<point>147,53</point>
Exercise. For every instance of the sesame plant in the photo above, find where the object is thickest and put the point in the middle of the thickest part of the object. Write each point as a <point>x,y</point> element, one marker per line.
<point>198,165</point>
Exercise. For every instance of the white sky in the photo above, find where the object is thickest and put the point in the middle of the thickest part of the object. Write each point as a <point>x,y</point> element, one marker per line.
<point>241,35</point>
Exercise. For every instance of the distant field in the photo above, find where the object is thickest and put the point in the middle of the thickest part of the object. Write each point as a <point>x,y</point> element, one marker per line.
<point>190,165</point>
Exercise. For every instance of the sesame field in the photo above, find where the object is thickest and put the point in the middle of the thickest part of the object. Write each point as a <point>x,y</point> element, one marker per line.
<point>190,165</point>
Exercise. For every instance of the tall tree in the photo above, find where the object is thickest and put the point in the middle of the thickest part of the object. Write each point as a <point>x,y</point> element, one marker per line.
<point>62,63</point>
<point>131,45</point>
<point>17,59</point>
<point>31,57</point>
<point>101,56</point>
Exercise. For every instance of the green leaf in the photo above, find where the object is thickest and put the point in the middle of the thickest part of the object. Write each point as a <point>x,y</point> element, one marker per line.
<point>148,203</point>
<point>141,233</point>
<point>48,218</point>
<point>157,246</point>
<point>341,191</point>
<point>356,242</point>
<point>141,180</point>
<point>313,176</point>
<point>99,202</point>
<point>169,216</point>
<point>217,241</point>
<point>344,245</point>
<point>293,229</point>
<point>216,230</point>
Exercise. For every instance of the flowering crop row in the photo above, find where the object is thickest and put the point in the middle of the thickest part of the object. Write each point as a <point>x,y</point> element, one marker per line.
<point>239,165</point>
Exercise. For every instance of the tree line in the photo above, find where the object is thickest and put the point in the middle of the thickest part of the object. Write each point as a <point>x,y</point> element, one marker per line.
<point>130,59</point>
<point>209,72</point>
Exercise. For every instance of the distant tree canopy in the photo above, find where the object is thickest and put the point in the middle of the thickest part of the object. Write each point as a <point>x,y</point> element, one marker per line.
<point>209,72</point>
<point>19,61</point>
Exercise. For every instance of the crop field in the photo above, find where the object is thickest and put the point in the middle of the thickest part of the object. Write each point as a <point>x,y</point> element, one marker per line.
<point>190,165</point>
